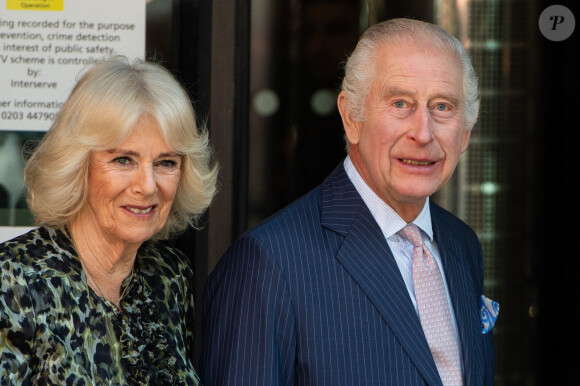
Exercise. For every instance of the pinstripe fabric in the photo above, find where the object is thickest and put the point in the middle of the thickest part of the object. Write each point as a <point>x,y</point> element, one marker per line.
<point>313,296</point>
<point>391,223</point>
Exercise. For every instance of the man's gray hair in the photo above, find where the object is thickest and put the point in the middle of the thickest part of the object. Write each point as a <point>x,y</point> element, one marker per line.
<point>360,66</point>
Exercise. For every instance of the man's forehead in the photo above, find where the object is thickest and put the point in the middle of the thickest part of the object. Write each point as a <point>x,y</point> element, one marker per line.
<point>389,52</point>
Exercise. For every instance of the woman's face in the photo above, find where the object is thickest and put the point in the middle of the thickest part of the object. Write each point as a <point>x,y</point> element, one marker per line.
<point>131,188</point>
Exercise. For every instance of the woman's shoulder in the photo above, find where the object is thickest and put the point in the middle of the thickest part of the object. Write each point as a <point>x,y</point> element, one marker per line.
<point>42,248</point>
<point>160,258</point>
<point>21,248</point>
<point>19,269</point>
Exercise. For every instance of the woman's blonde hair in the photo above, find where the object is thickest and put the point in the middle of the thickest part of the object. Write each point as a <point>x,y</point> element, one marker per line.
<point>99,114</point>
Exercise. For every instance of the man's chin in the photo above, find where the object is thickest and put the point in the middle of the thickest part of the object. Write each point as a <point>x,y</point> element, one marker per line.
<point>417,193</point>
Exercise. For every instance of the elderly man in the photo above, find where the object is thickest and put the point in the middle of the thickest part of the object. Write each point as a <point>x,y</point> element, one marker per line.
<point>364,281</point>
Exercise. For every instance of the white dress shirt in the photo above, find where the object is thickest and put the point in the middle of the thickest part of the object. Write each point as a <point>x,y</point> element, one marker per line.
<point>391,223</point>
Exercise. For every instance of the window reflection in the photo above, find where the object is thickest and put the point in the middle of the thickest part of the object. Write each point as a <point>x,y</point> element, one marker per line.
<point>13,208</point>
<point>296,134</point>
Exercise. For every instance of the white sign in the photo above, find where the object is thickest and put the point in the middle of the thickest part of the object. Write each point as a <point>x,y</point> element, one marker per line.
<point>45,44</point>
<point>7,233</point>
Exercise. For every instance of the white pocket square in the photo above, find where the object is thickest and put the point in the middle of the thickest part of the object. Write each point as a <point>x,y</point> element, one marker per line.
<point>489,311</point>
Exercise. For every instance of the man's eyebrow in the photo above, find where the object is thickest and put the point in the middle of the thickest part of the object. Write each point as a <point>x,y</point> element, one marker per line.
<point>391,91</point>
<point>396,91</point>
<point>451,97</point>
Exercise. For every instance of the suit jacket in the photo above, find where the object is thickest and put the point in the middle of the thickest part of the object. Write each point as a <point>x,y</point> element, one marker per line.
<point>313,296</point>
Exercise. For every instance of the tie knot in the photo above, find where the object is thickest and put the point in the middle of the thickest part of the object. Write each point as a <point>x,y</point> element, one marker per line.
<point>412,233</point>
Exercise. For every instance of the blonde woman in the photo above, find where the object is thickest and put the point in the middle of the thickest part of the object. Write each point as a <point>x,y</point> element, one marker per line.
<point>90,296</point>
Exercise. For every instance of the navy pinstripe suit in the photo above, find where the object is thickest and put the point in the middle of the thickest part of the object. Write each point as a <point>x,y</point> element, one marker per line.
<point>313,296</point>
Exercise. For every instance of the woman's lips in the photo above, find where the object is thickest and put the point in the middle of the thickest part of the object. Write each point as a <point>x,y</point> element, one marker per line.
<point>140,210</point>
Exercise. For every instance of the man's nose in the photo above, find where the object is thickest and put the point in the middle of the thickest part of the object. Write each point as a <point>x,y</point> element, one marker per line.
<point>421,125</point>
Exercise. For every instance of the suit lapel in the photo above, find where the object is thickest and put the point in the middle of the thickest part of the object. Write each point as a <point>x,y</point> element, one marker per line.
<point>463,296</point>
<point>366,256</point>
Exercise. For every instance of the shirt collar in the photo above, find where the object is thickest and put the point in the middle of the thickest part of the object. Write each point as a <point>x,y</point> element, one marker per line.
<point>389,221</point>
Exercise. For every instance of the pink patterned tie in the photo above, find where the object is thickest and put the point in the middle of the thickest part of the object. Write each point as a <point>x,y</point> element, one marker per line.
<point>434,309</point>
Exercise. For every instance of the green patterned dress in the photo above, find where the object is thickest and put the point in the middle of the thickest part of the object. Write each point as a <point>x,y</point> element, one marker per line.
<point>55,330</point>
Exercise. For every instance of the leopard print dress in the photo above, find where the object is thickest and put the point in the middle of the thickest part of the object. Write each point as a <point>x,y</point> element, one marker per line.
<point>54,330</point>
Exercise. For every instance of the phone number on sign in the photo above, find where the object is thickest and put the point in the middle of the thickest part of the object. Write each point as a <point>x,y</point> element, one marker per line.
<point>19,116</point>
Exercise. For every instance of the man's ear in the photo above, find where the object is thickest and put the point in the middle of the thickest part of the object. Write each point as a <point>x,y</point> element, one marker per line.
<point>352,128</point>
<point>465,140</point>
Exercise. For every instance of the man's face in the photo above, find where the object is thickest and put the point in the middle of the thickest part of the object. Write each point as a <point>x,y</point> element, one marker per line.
<point>413,133</point>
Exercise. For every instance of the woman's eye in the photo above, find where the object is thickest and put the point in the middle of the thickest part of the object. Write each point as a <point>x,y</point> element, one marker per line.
<point>122,160</point>
<point>168,163</point>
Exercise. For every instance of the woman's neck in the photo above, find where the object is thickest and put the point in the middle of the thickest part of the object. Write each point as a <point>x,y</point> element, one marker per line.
<point>106,264</point>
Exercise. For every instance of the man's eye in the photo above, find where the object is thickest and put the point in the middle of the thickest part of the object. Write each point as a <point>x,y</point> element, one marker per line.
<point>441,107</point>
<point>400,104</point>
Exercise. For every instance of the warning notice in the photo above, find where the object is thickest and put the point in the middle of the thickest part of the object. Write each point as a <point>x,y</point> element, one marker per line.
<point>46,44</point>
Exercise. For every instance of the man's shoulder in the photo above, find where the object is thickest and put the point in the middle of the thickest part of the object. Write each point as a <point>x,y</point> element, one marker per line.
<point>288,234</point>
<point>305,211</point>
<point>286,242</point>
<point>445,221</point>
<point>335,195</point>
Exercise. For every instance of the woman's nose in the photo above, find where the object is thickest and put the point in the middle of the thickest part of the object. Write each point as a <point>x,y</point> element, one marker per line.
<point>144,181</point>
